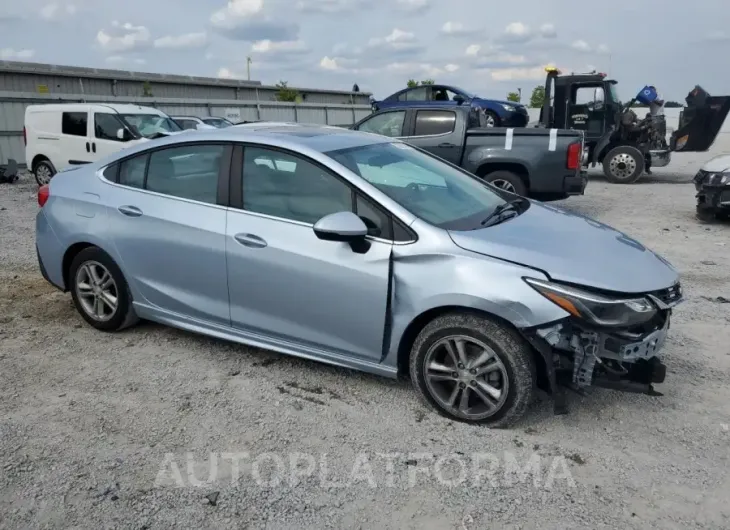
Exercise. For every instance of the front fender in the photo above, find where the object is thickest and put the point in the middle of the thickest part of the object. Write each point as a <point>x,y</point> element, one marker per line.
<point>465,280</point>
<point>493,106</point>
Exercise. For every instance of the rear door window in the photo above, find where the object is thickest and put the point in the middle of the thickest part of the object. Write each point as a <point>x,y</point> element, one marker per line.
<point>388,124</point>
<point>74,123</point>
<point>434,122</point>
<point>188,172</point>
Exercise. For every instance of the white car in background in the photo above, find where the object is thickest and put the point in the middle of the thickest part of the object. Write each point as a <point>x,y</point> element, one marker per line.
<point>58,136</point>
<point>193,123</point>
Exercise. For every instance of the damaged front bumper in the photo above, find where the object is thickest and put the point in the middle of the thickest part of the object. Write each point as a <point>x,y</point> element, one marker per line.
<point>713,192</point>
<point>578,356</point>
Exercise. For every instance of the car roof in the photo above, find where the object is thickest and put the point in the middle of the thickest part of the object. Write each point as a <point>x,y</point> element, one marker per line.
<point>71,107</point>
<point>295,136</point>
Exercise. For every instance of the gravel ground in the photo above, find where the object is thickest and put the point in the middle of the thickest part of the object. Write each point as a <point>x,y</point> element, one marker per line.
<point>94,427</point>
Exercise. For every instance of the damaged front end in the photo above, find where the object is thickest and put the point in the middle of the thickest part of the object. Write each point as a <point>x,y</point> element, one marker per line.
<point>607,341</point>
<point>713,192</point>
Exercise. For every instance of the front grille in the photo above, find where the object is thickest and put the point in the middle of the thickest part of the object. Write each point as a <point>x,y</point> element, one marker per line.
<point>669,296</point>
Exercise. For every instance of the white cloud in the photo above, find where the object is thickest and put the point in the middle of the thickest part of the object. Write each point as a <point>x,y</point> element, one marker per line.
<point>547,31</point>
<point>416,69</point>
<point>10,54</point>
<point>271,47</point>
<point>235,10</point>
<point>225,73</point>
<point>536,73</point>
<point>603,49</point>
<point>581,46</point>
<point>185,41</point>
<point>456,29</point>
<point>123,37</point>
<point>248,21</point>
<point>55,11</point>
<point>397,41</point>
<point>413,6</point>
<point>473,50</point>
<point>451,68</point>
<point>517,32</point>
<point>330,7</point>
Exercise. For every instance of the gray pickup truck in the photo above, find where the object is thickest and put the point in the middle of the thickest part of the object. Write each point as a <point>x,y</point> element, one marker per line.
<point>545,164</point>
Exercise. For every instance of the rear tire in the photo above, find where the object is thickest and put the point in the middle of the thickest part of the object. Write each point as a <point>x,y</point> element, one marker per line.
<point>623,165</point>
<point>498,378</point>
<point>100,292</point>
<point>507,181</point>
<point>43,172</point>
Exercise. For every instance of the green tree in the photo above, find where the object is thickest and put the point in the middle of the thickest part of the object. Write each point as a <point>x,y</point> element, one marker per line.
<point>412,83</point>
<point>146,89</point>
<point>537,99</point>
<point>513,96</point>
<point>287,94</point>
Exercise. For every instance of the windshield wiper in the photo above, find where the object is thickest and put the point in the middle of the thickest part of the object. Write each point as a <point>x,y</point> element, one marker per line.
<point>498,215</point>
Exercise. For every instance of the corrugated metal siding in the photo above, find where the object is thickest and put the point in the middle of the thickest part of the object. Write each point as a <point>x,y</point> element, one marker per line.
<point>13,104</point>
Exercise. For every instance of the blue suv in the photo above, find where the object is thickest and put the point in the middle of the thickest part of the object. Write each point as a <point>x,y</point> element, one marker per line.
<point>495,113</point>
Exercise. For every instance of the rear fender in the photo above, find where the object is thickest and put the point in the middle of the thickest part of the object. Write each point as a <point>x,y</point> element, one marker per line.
<point>700,121</point>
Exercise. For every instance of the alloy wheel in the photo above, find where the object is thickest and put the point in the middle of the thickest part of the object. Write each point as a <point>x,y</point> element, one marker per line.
<point>466,377</point>
<point>43,174</point>
<point>503,184</point>
<point>97,291</point>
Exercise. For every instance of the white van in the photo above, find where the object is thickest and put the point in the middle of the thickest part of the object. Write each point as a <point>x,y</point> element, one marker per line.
<point>61,135</point>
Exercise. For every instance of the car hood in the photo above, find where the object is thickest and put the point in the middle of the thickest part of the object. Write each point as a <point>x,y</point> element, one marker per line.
<point>719,164</point>
<point>572,248</point>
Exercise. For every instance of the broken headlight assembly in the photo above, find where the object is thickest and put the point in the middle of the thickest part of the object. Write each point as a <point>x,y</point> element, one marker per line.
<point>596,309</point>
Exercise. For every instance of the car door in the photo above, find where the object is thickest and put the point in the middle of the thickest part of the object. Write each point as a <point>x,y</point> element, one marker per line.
<point>284,282</point>
<point>75,145</point>
<point>435,130</point>
<point>106,141</point>
<point>391,123</point>
<point>168,225</point>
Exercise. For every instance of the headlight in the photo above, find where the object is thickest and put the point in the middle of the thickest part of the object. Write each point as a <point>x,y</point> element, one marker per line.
<point>594,308</point>
<point>717,179</point>
<point>508,108</point>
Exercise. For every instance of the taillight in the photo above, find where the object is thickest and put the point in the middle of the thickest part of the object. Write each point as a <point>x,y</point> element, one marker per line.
<point>574,155</point>
<point>43,193</point>
<point>25,137</point>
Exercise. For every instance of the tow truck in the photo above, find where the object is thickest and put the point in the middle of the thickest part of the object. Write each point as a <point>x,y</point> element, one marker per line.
<point>614,135</point>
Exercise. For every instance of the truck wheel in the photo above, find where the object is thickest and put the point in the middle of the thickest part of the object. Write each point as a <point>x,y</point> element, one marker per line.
<point>507,181</point>
<point>623,165</point>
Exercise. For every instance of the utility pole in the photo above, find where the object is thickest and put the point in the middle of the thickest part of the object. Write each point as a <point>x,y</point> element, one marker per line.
<point>519,95</point>
<point>248,68</point>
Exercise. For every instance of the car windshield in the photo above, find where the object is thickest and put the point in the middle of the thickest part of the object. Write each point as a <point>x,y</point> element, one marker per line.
<point>217,122</point>
<point>150,124</point>
<point>466,94</point>
<point>439,193</point>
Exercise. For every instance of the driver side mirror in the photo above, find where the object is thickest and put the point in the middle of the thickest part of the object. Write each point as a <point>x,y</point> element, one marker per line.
<point>124,135</point>
<point>459,99</point>
<point>340,226</point>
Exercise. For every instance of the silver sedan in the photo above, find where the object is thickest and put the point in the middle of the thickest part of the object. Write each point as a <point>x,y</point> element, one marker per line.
<point>359,251</point>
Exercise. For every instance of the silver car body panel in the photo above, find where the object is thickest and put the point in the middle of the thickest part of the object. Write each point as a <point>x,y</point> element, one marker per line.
<point>193,265</point>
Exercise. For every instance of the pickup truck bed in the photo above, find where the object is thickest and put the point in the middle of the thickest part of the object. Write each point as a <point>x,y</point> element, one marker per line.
<point>541,163</point>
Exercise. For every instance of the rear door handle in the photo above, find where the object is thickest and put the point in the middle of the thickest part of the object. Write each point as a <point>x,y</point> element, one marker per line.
<point>93,146</point>
<point>447,145</point>
<point>88,147</point>
<point>250,240</point>
<point>130,211</point>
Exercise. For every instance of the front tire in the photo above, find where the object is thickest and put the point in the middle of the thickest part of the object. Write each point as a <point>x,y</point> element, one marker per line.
<point>491,119</point>
<point>100,292</point>
<point>43,172</point>
<point>473,369</point>
<point>623,165</point>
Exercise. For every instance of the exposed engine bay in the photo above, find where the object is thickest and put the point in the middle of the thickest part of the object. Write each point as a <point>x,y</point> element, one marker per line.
<point>579,355</point>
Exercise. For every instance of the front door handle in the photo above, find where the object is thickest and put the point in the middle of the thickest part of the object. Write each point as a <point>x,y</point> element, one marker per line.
<point>130,211</point>
<point>250,240</point>
<point>93,146</point>
<point>447,145</point>
<point>88,147</point>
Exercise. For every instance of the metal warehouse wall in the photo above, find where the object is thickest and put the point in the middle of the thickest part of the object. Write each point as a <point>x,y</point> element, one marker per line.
<point>23,84</point>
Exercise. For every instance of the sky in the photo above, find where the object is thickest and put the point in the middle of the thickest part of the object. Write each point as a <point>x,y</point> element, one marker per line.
<point>486,47</point>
